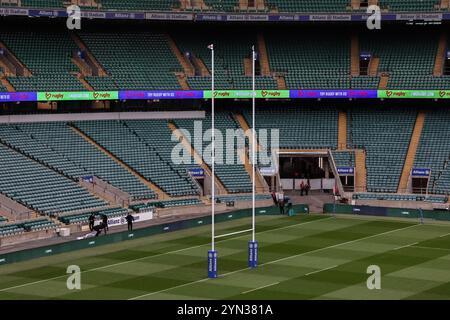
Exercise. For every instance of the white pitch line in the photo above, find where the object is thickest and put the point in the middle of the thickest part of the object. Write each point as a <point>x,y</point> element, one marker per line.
<point>232,233</point>
<point>274,261</point>
<point>259,288</point>
<point>433,248</point>
<point>406,246</point>
<point>444,235</point>
<point>317,271</point>
<point>153,256</point>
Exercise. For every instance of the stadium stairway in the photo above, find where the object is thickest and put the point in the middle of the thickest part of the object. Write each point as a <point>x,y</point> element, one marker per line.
<point>361,172</point>
<point>11,64</point>
<point>384,79</point>
<point>244,125</point>
<point>281,81</point>
<point>342,131</point>
<point>220,188</point>
<point>263,55</point>
<point>411,155</point>
<point>6,84</point>
<point>188,68</point>
<point>438,69</point>
<point>101,71</point>
<point>355,55</point>
<point>444,4</point>
<point>161,194</point>
<point>373,67</point>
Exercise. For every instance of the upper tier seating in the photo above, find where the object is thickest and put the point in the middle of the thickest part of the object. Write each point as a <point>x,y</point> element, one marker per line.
<point>57,144</point>
<point>47,56</point>
<point>233,176</point>
<point>311,61</point>
<point>407,58</point>
<point>40,188</point>
<point>135,61</point>
<point>136,152</point>
<point>434,150</point>
<point>385,134</point>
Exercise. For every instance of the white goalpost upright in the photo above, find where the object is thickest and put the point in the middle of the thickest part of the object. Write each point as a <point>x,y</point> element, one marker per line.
<point>253,244</point>
<point>212,254</point>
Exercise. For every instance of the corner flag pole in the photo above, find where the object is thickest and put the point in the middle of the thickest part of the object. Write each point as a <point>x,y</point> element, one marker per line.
<point>212,254</point>
<point>253,245</point>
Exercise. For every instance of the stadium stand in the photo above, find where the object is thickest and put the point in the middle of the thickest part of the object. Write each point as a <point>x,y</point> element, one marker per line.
<point>385,135</point>
<point>409,61</point>
<point>434,150</point>
<point>3,219</point>
<point>344,158</point>
<point>140,155</point>
<point>300,128</point>
<point>58,146</point>
<point>40,188</point>
<point>310,61</point>
<point>47,55</point>
<point>233,176</point>
<point>139,60</point>
<point>230,52</point>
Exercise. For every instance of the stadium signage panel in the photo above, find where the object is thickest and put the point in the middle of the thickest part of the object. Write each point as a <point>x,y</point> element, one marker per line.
<point>333,94</point>
<point>247,94</point>
<point>17,96</point>
<point>330,17</point>
<point>197,172</point>
<point>288,17</point>
<point>160,94</point>
<point>168,16</point>
<point>420,172</point>
<point>408,94</point>
<point>419,16</point>
<point>346,171</point>
<point>14,12</point>
<point>74,96</point>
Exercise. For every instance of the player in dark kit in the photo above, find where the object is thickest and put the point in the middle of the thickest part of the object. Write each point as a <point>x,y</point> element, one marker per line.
<point>91,221</point>
<point>105,222</point>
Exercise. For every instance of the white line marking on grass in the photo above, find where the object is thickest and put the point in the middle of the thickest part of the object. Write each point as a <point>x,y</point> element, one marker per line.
<point>274,261</point>
<point>406,246</point>
<point>232,233</point>
<point>259,288</point>
<point>156,255</point>
<point>317,271</point>
<point>444,235</point>
<point>433,248</point>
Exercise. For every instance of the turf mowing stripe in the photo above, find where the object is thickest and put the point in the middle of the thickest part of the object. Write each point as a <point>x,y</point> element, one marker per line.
<point>274,261</point>
<point>317,271</point>
<point>263,287</point>
<point>157,255</point>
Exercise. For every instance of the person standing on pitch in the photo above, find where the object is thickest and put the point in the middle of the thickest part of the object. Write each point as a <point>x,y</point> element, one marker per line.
<point>130,220</point>
<point>91,221</point>
<point>105,222</point>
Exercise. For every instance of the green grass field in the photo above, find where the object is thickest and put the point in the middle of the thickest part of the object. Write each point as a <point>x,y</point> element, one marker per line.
<point>302,257</point>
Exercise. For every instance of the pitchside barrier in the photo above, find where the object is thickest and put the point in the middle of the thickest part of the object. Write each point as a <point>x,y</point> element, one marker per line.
<point>28,254</point>
<point>386,212</point>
